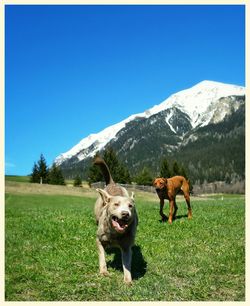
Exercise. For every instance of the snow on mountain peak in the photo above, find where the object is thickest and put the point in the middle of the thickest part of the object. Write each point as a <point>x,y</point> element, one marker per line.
<point>196,102</point>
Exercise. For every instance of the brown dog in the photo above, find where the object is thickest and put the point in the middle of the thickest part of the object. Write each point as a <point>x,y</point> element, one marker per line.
<point>168,189</point>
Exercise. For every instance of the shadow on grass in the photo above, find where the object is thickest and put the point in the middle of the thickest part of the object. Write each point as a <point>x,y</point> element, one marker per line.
<point>139,265</point>
<point>175,218</point>
<point>180,217</point>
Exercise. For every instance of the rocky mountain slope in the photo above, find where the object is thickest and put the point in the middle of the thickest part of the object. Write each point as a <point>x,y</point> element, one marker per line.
<point>202,127</point>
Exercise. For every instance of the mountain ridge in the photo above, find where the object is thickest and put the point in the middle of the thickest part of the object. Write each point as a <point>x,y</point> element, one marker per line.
<point>196,112</point>
<point>175,130</point>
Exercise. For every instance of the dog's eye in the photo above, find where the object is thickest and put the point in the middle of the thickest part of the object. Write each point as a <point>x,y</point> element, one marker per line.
<point>116,204</point>
<point>130,205</point>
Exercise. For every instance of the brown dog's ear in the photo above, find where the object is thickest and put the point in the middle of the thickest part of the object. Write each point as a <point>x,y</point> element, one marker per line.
<point>154,181</point>
<point>105,196</point>
<point>165,181</point>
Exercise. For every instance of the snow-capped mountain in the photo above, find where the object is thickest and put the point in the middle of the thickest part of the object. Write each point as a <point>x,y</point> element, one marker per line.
<point>203,104</point>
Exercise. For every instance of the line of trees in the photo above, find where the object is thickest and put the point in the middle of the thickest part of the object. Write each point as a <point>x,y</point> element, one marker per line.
<point>166,171</point>
<point>145,177</point>
<point>120,172</point>
<point>42,174</point>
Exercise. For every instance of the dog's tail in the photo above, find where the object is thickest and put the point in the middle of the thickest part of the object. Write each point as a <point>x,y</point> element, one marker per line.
<point>105,170</point>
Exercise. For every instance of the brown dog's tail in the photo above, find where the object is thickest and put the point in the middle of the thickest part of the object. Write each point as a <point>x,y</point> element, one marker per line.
<point>105,170</point>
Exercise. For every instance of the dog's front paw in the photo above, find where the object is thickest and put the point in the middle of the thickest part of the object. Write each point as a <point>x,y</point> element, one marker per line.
<point>164,218</point>
<point>104,272</point>
<point>128,281</point>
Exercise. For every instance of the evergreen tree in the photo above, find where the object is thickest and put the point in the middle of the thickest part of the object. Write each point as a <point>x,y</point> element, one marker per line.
<point>183,172</point>
<point>55,176</point>
<point>165,171</point>
<point>125,177</point>
<point>40,171</point>
<point>112,161</point>
<point>144,177</point>
<point>43,169</point>
<point>118,171</point>
<point>176,168</point>
<point>35,177</point>
<point>94,173</point>
<point>77,181</point>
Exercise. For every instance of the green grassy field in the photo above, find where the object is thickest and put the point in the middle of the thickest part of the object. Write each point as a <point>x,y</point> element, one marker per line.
<point>17,178</point>
<point>50,252</point>
<point>26,179</point>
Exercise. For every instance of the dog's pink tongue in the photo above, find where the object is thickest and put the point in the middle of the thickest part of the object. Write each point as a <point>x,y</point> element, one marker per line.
<point>118,227</point>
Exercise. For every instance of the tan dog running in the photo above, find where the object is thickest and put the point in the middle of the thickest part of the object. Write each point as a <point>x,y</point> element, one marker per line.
<point>117,221</point>
<point>168,189</point>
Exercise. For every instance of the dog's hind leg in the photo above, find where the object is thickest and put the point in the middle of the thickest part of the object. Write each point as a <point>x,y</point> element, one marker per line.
<point>186,191</point>
<point>175,209</point>
<point>171,209</point>
<point>102,260</point>
<point>187,198</point>
<point>126,264</point>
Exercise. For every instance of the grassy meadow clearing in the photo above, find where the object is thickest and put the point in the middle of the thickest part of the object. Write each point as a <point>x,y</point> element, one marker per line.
<point>50,251</point>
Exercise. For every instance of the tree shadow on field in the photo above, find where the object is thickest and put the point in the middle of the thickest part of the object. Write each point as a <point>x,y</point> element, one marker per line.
<point>138,266</point>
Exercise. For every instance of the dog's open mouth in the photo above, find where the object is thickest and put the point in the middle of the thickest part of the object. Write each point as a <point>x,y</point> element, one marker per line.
<point>119,225</point>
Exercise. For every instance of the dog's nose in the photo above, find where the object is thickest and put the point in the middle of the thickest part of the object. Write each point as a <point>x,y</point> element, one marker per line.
<point>125,214</point>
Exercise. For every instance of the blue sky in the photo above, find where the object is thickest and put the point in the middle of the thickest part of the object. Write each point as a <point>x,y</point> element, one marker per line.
<point>74,70</point>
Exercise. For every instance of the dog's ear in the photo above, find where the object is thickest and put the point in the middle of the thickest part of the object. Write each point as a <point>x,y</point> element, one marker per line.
<point>165,181</point>
<point>153,182</point>
<point>132,195</point>
<point>105,196</point>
